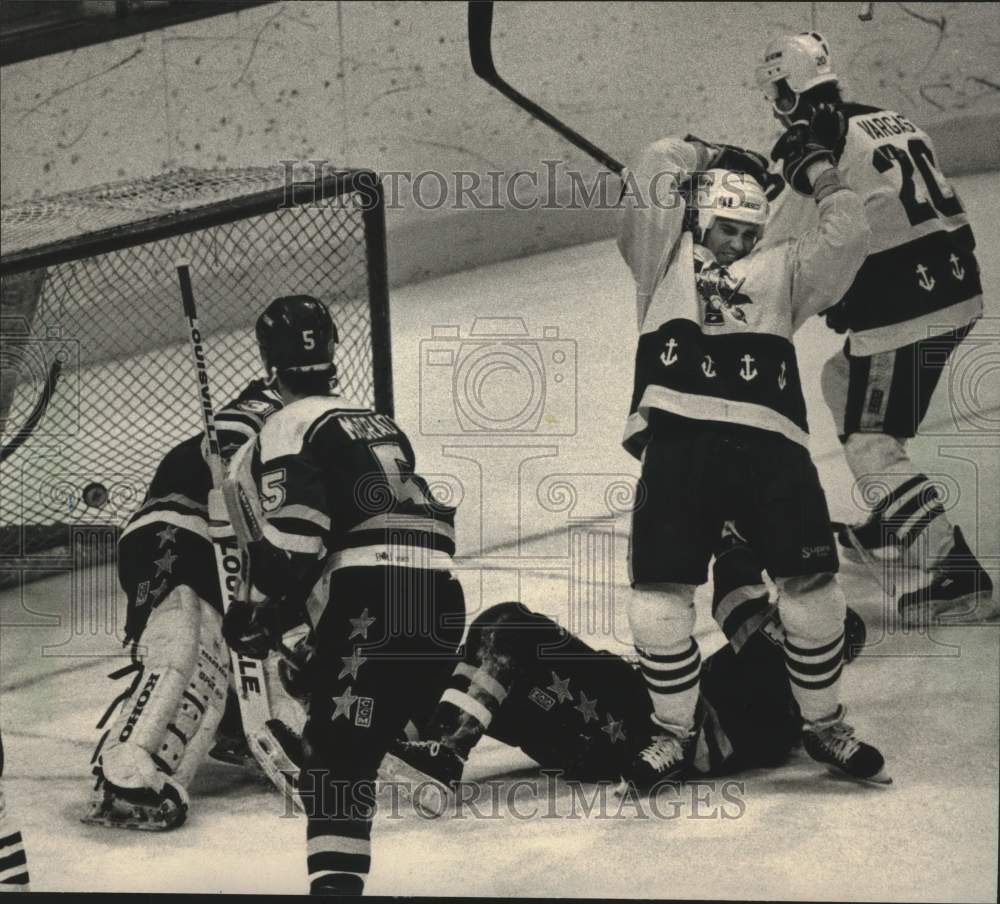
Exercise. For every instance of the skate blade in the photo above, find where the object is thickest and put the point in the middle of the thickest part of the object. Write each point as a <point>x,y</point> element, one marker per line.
<point>881,779</point>
<point>964,610</point>
<point>429,796</point>
<point>961,611</point>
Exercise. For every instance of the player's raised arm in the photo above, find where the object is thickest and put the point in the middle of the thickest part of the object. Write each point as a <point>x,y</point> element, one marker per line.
<point>827,257</point>
<point>653,211</point>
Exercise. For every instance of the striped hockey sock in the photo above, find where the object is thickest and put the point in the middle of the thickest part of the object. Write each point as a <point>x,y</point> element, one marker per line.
<point>910,512</point>
<point>338,851</point>
<point>672,676</point>
<point>467,707</point>
<point>13,861</point>
<point>814,670</point>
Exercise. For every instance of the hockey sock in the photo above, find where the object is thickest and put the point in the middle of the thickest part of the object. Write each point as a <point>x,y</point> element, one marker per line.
<point>672,675</point>
<point>339,806</point>
<point>466,709</point>
<point>13,861</point>
<point>814,670</point>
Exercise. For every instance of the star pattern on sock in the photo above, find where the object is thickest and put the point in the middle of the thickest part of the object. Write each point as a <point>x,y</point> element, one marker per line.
<point>167,535</point>
<point>560,687</point>
<point>587,708</point>
<point>343,704</point>
<point>361,625</point>
<point>613,729</point>
<point>352,664</point>
<point>165,563</point>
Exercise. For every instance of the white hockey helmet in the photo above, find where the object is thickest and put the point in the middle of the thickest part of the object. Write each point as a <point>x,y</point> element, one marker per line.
<point>794,64</point>
<point>730,195</point>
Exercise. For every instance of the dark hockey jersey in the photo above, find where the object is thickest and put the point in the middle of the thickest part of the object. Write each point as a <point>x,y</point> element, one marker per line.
<point>921,277</point>
<point>328,479</point>
<point>166,541</point>
<point>715,342</point>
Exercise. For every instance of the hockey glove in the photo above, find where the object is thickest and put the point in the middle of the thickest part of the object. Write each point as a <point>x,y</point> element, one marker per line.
<point>251,629</point>
<point>734,158</point>
<point>804,144</point>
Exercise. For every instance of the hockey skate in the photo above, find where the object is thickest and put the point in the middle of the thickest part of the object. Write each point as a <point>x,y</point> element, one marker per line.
<point>665,758</point>
<point>832,741</point>
<point>138,808</point>
<point>429,770</point>
<point>959,588</point>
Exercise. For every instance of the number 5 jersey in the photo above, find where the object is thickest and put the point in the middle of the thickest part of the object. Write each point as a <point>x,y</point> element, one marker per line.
<point>329,480</point>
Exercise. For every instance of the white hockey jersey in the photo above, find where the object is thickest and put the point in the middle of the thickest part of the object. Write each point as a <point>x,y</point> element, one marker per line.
<point>715,341</point>
<point>921,277</point>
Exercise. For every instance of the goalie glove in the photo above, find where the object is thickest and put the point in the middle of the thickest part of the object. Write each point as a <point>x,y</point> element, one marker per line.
<point>251,629</point>
<point>807,143</point>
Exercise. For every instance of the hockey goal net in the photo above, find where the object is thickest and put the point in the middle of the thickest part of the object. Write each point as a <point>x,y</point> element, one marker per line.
<point>89,285</point>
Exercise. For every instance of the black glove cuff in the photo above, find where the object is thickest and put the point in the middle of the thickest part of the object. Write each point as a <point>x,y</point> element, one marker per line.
<point>797,172</point>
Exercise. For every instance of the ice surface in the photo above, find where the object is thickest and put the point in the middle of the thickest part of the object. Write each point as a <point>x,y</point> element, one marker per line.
<point>535,524</point>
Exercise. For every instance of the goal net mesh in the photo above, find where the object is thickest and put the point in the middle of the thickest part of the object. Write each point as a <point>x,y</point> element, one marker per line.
<point>89,280</point>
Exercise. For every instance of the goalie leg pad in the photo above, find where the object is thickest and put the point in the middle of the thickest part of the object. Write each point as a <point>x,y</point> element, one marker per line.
<point>167,727</point>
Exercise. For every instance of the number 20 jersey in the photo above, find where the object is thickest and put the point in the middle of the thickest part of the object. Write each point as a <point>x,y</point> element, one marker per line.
<point>921,277</point>
<point>329,477</point>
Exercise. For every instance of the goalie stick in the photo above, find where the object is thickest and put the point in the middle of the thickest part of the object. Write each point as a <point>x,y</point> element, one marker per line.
<point>230,558</point>
<point>481,53</point>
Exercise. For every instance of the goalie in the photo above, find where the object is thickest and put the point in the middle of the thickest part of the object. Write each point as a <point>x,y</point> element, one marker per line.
<point>176,707</point>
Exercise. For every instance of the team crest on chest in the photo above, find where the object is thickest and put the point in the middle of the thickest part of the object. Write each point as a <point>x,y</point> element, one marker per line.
<point>721,295</point>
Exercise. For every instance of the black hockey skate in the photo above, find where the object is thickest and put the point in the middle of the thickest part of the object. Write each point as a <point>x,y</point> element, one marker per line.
<point>138,808</point>
<point>832,741</point>
<point>429,769</point>
<point>665,758</point>
<point>959,588</point>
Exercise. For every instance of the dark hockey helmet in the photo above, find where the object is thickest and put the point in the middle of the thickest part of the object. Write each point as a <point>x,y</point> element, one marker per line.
<point>296,333</point>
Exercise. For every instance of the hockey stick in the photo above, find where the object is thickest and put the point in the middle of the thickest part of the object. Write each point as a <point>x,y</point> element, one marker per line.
<point>481,52</point>
<point>255,708</point>
<point>37,413</point>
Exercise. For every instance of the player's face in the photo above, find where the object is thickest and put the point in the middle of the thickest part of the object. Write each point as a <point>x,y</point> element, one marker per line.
<point>729,240</point>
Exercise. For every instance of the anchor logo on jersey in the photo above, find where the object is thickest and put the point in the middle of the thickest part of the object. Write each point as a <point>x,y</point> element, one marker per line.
<point>782,379</point>
<point>748,371</point>
<point>957,270</point>
<point>708,367</point>
<point>721,294</point>
<point>926,282</point>
<point>668,356</point>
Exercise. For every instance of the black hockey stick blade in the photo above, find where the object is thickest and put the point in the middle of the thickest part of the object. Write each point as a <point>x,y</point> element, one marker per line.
<point>37,413</point>
<point>481,53</point>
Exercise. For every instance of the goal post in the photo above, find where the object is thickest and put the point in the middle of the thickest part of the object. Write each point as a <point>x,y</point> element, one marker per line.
<point>88,278</point>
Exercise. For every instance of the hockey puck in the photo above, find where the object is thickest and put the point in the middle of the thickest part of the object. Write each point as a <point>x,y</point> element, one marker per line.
<point>95,495</point>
